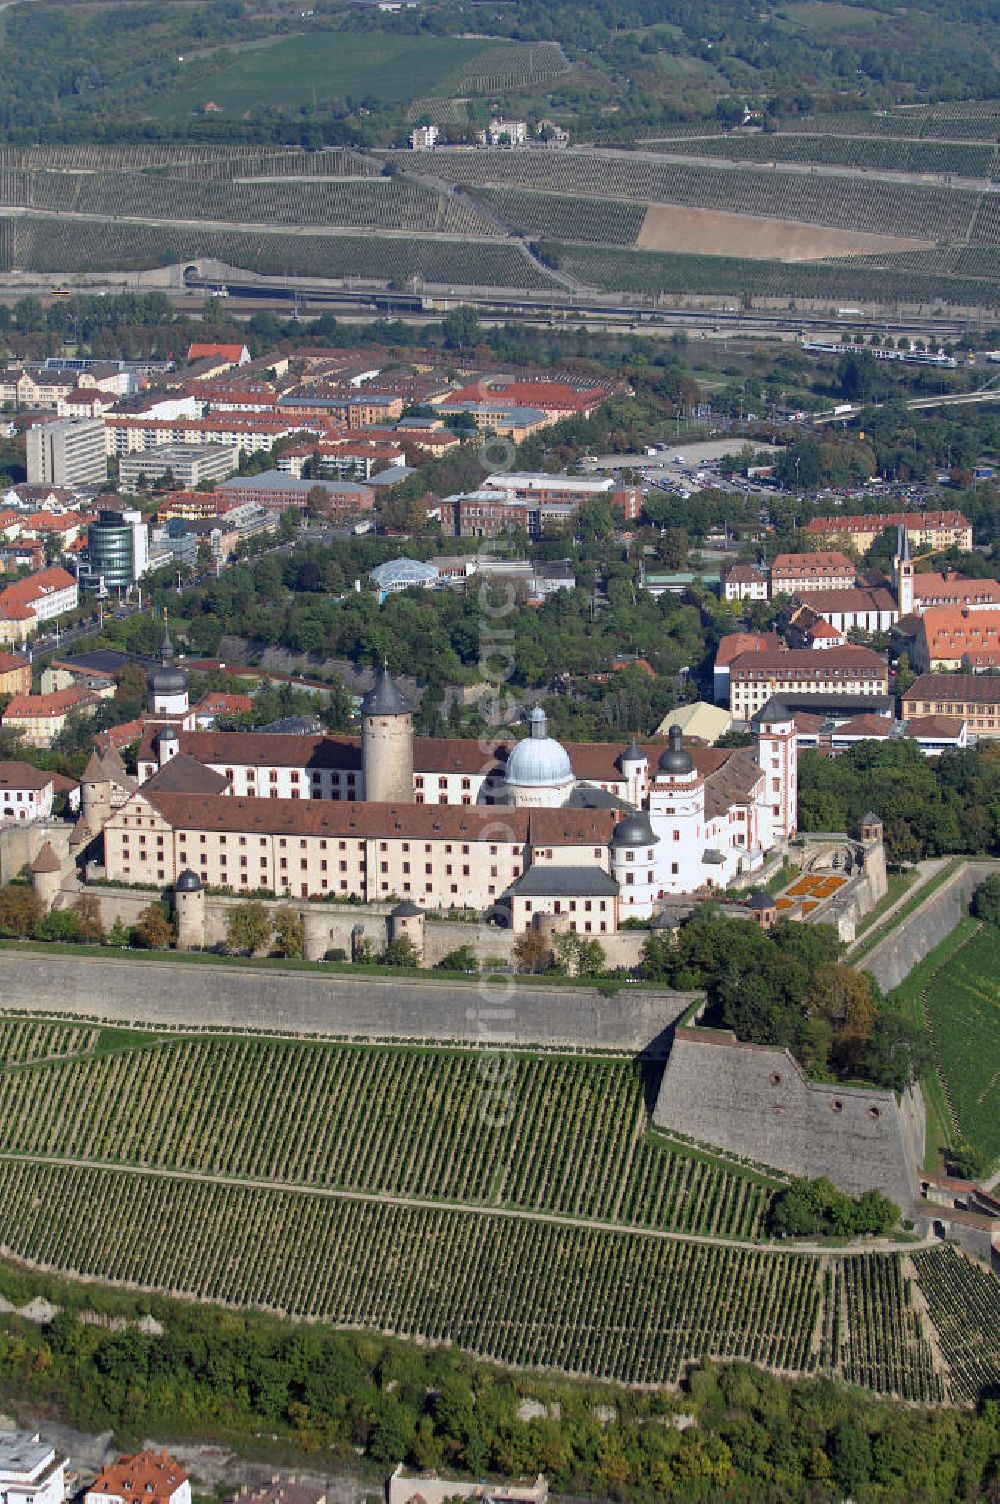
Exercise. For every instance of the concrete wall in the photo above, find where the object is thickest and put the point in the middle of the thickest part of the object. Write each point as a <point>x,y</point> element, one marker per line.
<point>755,1101</point>
<point>906,945</point>
<point>500,1009</point>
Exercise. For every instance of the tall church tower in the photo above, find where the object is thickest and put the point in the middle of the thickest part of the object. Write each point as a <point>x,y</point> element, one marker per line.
<point>387,742</point>
<point>903,571</point>
<point>168,683</point>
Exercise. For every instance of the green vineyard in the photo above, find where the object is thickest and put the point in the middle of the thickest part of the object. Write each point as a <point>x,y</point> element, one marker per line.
<point>54,244</point>
<point>652,273</point>
<point>566,1136</point>
<point>525,1214</point>
<point>972,159</point>
<point>523,1292</point>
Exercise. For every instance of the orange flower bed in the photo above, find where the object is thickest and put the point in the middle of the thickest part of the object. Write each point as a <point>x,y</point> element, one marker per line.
<point>784,903</point>
<point>809,905</point>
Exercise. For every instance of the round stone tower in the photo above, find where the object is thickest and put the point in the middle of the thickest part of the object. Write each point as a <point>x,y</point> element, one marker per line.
<point>387,742</point>
<point>189,910</point>
<point>46,876</point>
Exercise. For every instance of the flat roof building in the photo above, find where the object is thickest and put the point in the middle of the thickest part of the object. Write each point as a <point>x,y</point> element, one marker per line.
<point>189,464</point>
<point>70,453</point>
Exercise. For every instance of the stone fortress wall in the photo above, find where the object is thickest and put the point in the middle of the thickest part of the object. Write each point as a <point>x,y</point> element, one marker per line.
<point>905,946</point>
<point>493,1012</point>
<point>756,1102</point>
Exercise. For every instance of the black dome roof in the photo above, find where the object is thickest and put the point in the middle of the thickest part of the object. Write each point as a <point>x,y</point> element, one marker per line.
<point>634,830</point>
<point>188,882</point>
<point>674,759</point>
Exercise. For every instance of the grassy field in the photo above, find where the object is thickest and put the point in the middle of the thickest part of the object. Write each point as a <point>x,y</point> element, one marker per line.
<point>391,68</point>
<point>957,989</point>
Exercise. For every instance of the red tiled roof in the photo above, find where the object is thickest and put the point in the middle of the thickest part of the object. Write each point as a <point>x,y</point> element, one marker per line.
<point>60,702</point>
<point>805,659</point>
<point>151,1476</point>
<point>734,644</point>
<point>935,726</point>
<point>222,352</point>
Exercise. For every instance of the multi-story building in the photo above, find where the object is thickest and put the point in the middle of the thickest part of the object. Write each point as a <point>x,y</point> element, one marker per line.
<point>117,552</point>
<point>973,698</point>
<point>26,793</point>
<point>794,574</point>
<point>15,674</point>
<point>846,610</point>
<point>278,492</point>
<point>744,582</point>
<point>492,513</point>
<point>40,718</point>
<point>31,1471</point>
<point>734,645</point>
<point>424,138</point>
<point>189,464</point>
<point>574,490</point>
<point>38,597</point>
<point>583,835</point>
<point>755,677</point>
<point>70,452</point>
<point>924,530</point>
<point>953,637</point>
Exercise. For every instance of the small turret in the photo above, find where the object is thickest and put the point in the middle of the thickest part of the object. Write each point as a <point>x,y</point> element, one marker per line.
<point>168,683</point>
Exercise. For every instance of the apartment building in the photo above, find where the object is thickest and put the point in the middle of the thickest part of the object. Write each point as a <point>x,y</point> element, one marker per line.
<point>973,698</point>
<point>953,637</point>
<point>38,597</point>
<point>31,1471</point>
<point>15,674</point>
<point>40,718</point>
<point>26,793</point>
<point>70,452</point>
<point>152,1477</point>
<point>795,574</point>
<point>744,582</point>
<point>948,529</point>
<point>755,677</point>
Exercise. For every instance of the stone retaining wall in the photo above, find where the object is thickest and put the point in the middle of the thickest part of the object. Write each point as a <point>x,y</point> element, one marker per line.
<point>501,1010</point>
<point>906,944</point>
<point>755,1101</point>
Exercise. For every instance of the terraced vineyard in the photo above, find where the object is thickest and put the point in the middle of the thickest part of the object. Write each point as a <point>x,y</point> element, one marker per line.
<point>959,989</point>
<point>405,1122</point>
<point>964,1302</point>
<point>606,221</point>
<point>352,202</point>
<point>523,1292</point>
<point>526,1215</point>
<point>49,244</point>
<point>972,159</point>
<point>848,202</point>
<point>652,273</point>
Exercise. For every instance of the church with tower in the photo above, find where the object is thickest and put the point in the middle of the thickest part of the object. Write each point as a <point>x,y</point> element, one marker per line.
<point>583,835</point>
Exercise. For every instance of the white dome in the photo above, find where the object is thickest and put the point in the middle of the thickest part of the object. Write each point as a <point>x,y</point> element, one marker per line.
<point>539,762</point>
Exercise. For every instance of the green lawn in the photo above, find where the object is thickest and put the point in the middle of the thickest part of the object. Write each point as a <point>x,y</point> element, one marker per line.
<point>961,983</point>
<point>390,68</point>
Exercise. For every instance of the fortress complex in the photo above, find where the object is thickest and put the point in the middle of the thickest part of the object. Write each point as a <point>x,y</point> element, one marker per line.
<point>584,835</point>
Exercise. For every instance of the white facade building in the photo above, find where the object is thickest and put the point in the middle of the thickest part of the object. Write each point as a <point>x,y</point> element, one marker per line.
<point>31,1472</point>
